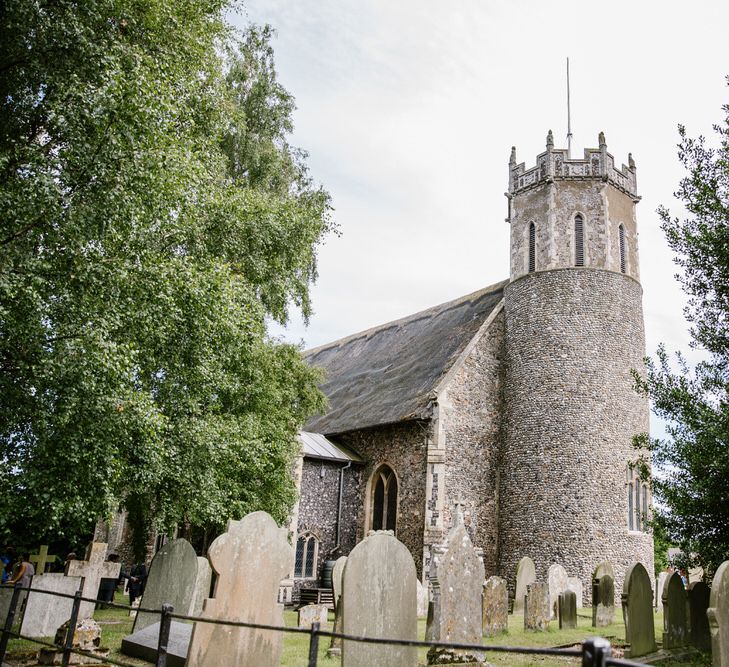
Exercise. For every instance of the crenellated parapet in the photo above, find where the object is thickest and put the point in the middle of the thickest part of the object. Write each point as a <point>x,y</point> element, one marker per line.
<point>556,164</point>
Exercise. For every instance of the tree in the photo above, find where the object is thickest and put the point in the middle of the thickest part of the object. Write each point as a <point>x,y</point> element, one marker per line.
<point>693,462</point>
<point>154,216</point>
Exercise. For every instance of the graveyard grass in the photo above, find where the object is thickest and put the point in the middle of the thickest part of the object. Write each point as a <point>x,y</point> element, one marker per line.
<point>116,624</point>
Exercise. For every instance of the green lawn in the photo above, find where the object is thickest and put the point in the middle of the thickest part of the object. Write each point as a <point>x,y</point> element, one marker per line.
<point>116,624</point>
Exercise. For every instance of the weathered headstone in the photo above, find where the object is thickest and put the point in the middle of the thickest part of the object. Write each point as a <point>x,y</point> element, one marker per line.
<point>92,570</point>
<point>695,574</point>
<point>574,584</point>
<point>203,580</point>
<point>45,613</point>
<point>718,614</point>
<point>606,567</point>
<point>637,600</point>
<point>662,576</point>
<point>495,607</point>
<point>423,599</point>
<point>526,573</point>
<point>603,601</point>
<point>42,559</point>
<point>557,581</point>
<point>379,599</point>
<point>337,573</point>
<point>144,644</point>
<point>536,607</point>
<point>458,575</point>
<point>675,621</point>
<point>250,560</point>
<point>86,637</point>
<point>335,646</point>
<point>313,613</point>
<point>567,610</point>
<point>698,598</point>
<point>172,577</point>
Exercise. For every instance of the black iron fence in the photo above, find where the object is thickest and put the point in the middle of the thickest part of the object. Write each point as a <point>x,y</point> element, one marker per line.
<point>594,652</point>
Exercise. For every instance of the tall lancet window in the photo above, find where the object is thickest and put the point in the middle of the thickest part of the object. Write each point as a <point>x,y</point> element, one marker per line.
<point>532,247</point>
<point>579,241</point>
<point>621,235</point>
<point>384,499</point>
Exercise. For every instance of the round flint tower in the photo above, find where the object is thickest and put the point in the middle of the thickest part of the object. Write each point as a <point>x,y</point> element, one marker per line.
<point>574,332</point>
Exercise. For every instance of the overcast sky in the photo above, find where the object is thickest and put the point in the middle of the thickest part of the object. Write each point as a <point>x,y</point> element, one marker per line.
<point>409,111</point>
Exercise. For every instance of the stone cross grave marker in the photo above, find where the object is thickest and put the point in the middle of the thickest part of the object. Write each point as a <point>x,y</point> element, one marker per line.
<point>171,579</point>
<point>458,576</point>
<point>41,559</point>
<point>637,600</point>
<point>92,570</point>
<point>718,614</point>
<point>495,607</point>
<point>250,558</point>
<point>379,599</point>
<point>557,580</point>
<point>526,573</point>
<point>335,645</point>
<point>603,601</point>
<point>567,610</point>
<point>698,597</point>
<point>536,607</point>
<point>44,614</point>
<point>574,584</point>
<point>675,620</point>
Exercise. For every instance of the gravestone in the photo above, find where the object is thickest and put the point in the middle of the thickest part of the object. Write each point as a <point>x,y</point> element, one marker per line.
<point>171,579</point>
<point>675,620</point>
<point>603,601</point>
<point>698,603</point>
<point>250,560</point>
<point>203,580</point>
<point>45,613</point>
<point>557,581</point>
<point>606,567</point>
<point>92,570</point>
<point>574,584</point>
<point>718,614</point>
<point>379,599</point>
<point>536,607</point>
<point>337,572</point>
<point>637,600</point>
<point>526,573</point>
<point>567,610</point>
<point>422,599</point>
<point>86,637</point>
<point>144,644</point>
<point>42,559</point>
<point>457,574</point>
<point>313,613</point>
<point>662,576</point>
<point>335,645</point>
<point>495,607</point>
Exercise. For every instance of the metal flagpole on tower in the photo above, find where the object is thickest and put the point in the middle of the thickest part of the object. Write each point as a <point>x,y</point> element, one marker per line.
<point>569,119</point>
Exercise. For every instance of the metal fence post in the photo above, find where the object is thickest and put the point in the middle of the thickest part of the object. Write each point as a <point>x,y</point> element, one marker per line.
<point>314,644</point>
<point>9,619</point>
<point>595,651</point>
<point>165,623</point>
<point>68,644</point>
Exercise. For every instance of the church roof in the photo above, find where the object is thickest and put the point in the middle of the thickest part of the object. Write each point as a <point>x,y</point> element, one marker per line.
<point>316,446</point>
<point>387,374</point>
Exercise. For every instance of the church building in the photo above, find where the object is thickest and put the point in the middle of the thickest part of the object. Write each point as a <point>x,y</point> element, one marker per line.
<point>514,406</point>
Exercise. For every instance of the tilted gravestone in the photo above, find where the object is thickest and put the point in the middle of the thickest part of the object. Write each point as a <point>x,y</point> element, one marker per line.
<point>557,581</point>
<point>637,600</point>
<point>458,575</point>
<point>536,607</point>
<point>567,610</point>
<point>526,573</point>
<point>675,620</point>
<point>718,614</point>
<point>93,570</point>
<point>335,646</point>
<point>379,599</point>
<point>250,560</point>
<point>172,577</point>
<point>574,584</point>
<point>495,607</point>
<point>44,614</point>
<point>698,598</point>
<point>603,601</point>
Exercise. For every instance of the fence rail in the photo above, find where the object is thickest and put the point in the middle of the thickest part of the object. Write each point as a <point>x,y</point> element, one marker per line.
<point>594,652</point>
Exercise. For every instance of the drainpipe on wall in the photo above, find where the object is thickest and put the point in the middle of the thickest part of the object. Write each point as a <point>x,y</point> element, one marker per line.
<point>339,504</point>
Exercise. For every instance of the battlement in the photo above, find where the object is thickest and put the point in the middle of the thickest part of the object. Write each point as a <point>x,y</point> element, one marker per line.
<point>555,165</point>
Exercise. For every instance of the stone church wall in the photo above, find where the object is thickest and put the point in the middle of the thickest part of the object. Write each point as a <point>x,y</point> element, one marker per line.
<point>472,427</point>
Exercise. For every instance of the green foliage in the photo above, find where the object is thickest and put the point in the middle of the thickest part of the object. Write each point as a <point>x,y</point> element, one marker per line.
<point>694,459</point>
<point>153,217</point>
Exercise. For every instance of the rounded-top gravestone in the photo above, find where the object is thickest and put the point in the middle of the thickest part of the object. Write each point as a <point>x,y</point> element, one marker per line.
<point>698,597</point>
<point>526,573</point>
<point>718,614</point>
<point>675,620</point>
<point>637,602</point>
<point>557,582</point>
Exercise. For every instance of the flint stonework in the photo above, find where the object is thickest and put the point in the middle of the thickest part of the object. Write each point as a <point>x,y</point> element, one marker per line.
<point>637,600</point>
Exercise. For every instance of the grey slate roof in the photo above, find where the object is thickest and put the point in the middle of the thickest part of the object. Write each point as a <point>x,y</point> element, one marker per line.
<point>316,446</point>
<point>386,374</point>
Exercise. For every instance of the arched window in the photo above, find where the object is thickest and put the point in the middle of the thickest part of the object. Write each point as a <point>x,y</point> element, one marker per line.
<point>307,550</point>
<point>630,506</point>
<point>621,235</point>
<point>532,247</point>
<point>638,511</point>
<point>384,499</point>
<point>579,241</point>
<point>637,506</point>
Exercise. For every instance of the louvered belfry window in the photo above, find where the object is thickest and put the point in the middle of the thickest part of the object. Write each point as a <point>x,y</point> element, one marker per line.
<point>579,241</point>
<point>621,234</point>
<point>532,247</point>
<point>384,506</point>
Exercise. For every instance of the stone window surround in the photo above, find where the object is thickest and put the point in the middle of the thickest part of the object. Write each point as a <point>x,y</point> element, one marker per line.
<point>310,541</point>
<point>634,483</point>
<point>531,246</point>
<point>583,218</point>
<point>370,495</point>
<point>622,249</point>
